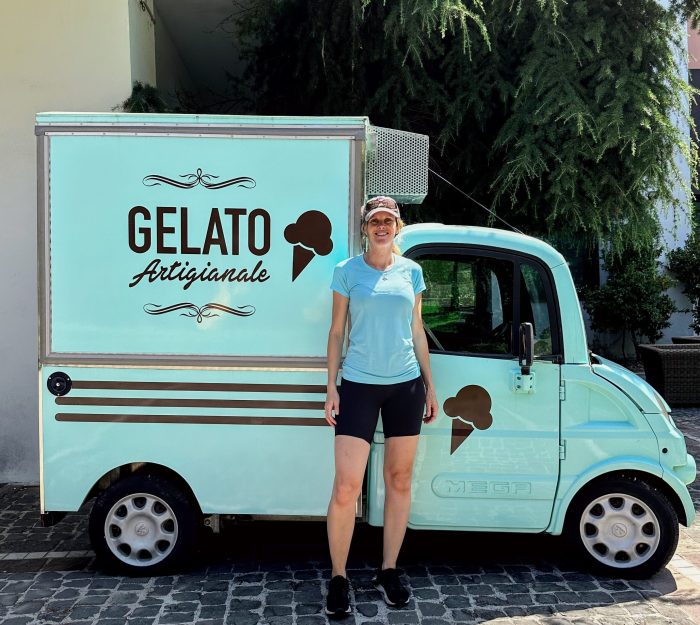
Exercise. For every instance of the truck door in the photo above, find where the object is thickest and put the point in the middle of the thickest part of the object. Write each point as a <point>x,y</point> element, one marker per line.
<point>491,459</point>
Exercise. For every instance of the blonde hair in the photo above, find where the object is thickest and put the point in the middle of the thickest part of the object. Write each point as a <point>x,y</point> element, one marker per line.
<point>365,241</point>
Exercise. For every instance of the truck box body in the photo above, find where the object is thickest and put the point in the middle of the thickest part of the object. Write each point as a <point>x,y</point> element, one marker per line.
<point>185,266</point>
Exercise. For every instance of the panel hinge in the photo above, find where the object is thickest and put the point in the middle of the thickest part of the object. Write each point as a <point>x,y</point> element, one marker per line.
<point>562,391</point>
<point>562,450</point>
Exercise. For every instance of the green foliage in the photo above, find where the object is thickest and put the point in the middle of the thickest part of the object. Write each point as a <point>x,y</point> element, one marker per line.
<point>559,115</point>
<point>144,99</point>
<point>634,299</point>
<point>685,263</point>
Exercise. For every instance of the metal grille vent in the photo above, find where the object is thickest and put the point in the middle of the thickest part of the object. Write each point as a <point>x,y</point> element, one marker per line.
<point>397,165</point>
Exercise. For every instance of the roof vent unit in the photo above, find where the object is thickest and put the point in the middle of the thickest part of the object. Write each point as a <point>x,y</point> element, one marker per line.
<point>396,165</point>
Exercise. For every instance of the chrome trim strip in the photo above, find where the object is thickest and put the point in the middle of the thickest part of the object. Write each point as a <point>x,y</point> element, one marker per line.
<point>195,361</point>
<point>330,131</point>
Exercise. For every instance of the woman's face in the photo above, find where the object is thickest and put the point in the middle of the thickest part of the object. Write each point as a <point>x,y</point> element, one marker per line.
<point>381,230</point>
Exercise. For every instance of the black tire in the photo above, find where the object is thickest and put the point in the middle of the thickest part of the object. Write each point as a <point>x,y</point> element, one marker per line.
<point>152,525</point>
<point>623,527</point>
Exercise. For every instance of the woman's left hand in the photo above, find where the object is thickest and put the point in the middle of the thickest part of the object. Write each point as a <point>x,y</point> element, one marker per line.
<point>431,405</point>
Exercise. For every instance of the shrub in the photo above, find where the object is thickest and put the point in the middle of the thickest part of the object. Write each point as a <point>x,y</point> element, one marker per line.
<point>685,263</point>
<point>633,300</point>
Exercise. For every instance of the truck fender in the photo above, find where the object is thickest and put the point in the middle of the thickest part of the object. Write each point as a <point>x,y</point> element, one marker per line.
<point>623,464</point>
<point>114,475</point>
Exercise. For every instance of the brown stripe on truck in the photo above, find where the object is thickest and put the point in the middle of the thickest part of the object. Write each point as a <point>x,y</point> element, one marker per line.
<point>187,403</point>
<point>199,419</point>
<point>198,386</point>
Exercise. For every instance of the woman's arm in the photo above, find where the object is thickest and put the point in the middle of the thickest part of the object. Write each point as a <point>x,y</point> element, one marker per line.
<point>336,335</point>
<point>420,346</point>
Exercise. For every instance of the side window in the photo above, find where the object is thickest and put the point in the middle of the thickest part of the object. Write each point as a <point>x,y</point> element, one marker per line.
<point>534,308</point>
<point>468,304</point>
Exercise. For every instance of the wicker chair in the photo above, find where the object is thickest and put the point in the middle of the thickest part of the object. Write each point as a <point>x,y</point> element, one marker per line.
<point>674,371</point>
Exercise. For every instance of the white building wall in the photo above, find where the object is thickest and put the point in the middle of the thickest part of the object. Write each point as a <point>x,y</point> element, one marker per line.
<point>172,71</point>
<point>72,55</point>
<point>142,42</point>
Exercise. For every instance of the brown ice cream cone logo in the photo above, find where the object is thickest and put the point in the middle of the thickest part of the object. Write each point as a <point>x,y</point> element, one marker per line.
<point>310,235</point>
<point>470,409</point>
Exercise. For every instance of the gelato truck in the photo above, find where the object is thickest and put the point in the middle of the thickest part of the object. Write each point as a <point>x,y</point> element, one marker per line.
<point>184,271</point>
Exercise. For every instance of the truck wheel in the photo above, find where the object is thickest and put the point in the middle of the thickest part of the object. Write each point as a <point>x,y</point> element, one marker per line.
<point>142,524</point>
<point>623,527</point>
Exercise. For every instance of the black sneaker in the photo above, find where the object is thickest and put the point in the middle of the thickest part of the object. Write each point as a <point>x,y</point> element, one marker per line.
<point>338,599</point>
<point>389,583</point>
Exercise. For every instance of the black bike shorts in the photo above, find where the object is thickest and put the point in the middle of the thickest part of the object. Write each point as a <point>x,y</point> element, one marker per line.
<point>402,407</point>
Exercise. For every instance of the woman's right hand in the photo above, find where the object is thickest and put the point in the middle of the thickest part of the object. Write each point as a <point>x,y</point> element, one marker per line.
<point>332,405</point>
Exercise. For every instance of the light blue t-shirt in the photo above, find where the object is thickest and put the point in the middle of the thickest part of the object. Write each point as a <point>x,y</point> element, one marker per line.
<point>381,304</point>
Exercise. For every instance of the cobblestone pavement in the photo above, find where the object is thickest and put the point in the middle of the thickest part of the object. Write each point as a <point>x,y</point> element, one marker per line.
<point>275,573</point>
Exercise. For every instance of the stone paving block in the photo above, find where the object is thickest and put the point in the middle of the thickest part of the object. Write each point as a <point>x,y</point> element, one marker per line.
<point>458,601</point>
<point>93,599</point>
<point>582,586</point>
<point>431,608</point>
<point>446,580</point>
<point>145,612</point>
<point>304,575</point>
<point>595,598</point>
<point>279,598</point>
<point>548,599</point>
<point>365,596</point>
<point>490,600</point>
<point>453,590</point>
<point>213,598</point>
<point>520,599</point>
<point>212,612</point>
<point>309,596</point>
<point>277,610</point>
<point>515,610</point>
<point>181,606</point>
<point>246,605</point>
<point>27,607</point>
<point>246,591</point>
<point>8,600</point>
<point>215,586</point>
<point>309,608</point>
<point>426,593</point>
<point>401,617</point>
<point>176,617</point>
<point>462,615</point>
<point>141,620</point>
<point>479,589</point>
<point>507,589</point>
<point>249,578</point>
<point>420,582</point>
<point>311,620</point>
<point>279,620</point>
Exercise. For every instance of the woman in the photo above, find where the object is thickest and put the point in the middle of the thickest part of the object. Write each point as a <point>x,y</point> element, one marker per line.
<point>386,369</point>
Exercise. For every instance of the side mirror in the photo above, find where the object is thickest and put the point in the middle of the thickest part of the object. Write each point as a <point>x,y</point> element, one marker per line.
<point>526,342</point>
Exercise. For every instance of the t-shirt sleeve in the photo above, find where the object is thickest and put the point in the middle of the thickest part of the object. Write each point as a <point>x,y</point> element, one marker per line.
<point>339,284</point>
<point>418,282</point>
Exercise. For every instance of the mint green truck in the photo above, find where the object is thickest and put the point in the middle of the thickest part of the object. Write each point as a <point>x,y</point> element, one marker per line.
<point>184,272</point>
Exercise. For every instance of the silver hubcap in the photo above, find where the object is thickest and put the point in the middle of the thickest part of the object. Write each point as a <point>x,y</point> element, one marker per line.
<point>619,530</point>
<point>141,529</point>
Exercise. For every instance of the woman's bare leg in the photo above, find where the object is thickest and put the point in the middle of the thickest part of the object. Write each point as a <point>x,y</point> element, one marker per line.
<point>399,452</point>
<point>351,455</point>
